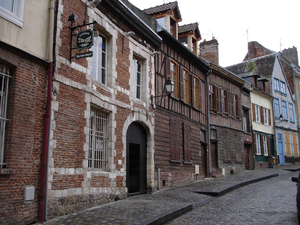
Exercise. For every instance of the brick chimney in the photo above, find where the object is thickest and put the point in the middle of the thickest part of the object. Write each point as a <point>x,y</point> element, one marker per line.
<point>291,54</point>
<point>209,50</point>
<point>256,50</point>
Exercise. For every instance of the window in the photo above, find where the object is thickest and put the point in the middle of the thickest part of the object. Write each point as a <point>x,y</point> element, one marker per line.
<point>99,59</point>
<point>194,46</point>
<point>282,87</point>
<point>257,113</point>
<point>98,136</point>
<point>196,93</point>
<point>246,122</point>
<point>12,10</point>
<point>4,80</point>
<point>137,77</point>
<point>258,149</point>
<point>160,23</point>
<point>174,77</point>
<point>186,87</point>
<point>276,108</point>
<point>224,101</point>
<point>212,97</point>
<point>235,106</point>
<point>173,27</point>
<point>276,84</point>
<point>265,140</point>
<point>291,112</point>
<point>266,116</point>
<point>284,110</point>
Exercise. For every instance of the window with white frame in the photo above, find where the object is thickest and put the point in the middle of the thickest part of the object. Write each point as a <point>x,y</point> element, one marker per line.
<point>266,116</point>
<point>276,108</point>
<point>291,112</point>
<point>258,147</point>
<point>137,77</point>
<point>257,113</point>
<point>276,84</point>
<point>99,58</point>
<point>284,110</point>
<point>98,138</point>
<point>265,140</point>
<point>4,81</point>
<point>282,87</point>
<point>12,10</point>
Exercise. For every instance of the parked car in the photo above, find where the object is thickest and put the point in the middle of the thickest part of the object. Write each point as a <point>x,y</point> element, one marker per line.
<point>297,180</point>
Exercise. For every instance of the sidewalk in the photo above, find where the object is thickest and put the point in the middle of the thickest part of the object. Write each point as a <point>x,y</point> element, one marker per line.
<point>164,205</point>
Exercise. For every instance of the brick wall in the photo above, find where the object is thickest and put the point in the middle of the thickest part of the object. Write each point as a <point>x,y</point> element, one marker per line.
<point>209,50</point>
<point>23,142</point>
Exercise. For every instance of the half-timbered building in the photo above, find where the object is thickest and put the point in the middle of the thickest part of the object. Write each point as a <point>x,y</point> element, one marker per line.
<point>181,132</point>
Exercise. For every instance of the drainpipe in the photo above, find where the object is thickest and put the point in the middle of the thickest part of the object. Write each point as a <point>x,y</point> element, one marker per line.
<point>46,137</point>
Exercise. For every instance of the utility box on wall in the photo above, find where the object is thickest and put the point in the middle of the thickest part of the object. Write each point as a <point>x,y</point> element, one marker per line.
<point>29,194</point>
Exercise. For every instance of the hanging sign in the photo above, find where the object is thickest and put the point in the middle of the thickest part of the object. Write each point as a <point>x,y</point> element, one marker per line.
<point>84,39</point>
<point>84,55</point>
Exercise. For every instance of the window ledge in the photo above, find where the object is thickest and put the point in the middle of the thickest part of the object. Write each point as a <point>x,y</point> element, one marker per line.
<point>5,171</point>
<point>174,161</point>
<point>188,163</point>
<point>227,161</point>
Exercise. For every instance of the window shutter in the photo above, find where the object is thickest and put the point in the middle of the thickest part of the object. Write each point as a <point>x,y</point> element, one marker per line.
<point>262,117</point>
<point>239,107</point>
<point>253,112</point>
<point>217,99</point>
<point>180,77</point>
<point>269,146</point>
<point>167,68</point>
<point>186,143</point>
<point>254,143</point>
<point>262,144</point>
<point>173,139</point>
<point>269,112</point>
<point>229,103</point>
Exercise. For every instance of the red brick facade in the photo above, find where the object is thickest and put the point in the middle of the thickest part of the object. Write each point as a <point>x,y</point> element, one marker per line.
<point>23,137</point>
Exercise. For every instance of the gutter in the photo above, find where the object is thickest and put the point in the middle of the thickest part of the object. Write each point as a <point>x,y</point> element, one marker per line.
<point>208,122</point>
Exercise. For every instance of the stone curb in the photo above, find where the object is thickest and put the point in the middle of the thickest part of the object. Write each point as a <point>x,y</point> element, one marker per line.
<point>236,186</point>
<point>165,217</point>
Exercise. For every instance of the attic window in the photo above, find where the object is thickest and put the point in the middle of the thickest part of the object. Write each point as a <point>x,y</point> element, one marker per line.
<point>173,27</point>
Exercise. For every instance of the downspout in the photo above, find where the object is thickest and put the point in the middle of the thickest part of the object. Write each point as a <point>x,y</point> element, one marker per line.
<point>46,137</point>
<point>208,122</point>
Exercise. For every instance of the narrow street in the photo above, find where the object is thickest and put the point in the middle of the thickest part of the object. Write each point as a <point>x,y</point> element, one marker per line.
<point>268,202</point>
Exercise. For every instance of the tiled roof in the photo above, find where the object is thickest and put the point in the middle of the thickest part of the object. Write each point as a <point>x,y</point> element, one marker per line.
<point>187,27</point>
<point>161,8</point>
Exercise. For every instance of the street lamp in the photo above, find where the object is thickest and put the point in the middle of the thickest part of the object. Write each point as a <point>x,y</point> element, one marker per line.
<point>169,89</point>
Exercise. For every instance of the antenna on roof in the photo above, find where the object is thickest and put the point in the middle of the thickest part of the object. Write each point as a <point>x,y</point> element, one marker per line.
<point>280,44</point>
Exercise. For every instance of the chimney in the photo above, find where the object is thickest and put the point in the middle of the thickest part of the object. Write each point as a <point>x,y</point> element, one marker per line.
<point>291,54</point>
<point>209,50</point>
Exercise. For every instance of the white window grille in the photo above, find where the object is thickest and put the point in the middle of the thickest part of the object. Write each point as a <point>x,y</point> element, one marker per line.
<point>258,148</point>
<point>4,81</point>
<point>13,11</point>
<point>266,116</point>
<point>257,113</point>
<point>98,136</point>
<point>137,76</point>
<point>265,146</point>
<point>99,59</point>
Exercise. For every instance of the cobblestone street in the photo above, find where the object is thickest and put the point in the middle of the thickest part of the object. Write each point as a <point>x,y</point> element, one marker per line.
<point>271,201</point>
<point>268,202</point>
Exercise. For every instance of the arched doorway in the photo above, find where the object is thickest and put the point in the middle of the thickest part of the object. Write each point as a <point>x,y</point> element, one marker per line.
<point>136,159</point>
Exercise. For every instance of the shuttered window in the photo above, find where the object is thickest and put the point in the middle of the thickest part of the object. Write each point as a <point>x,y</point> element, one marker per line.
<point>196,92</point>
<point>212,97</point>
<point>295,144</point>
<point>187,143</point>
<point>174,140</point>
<point>258,146</point>
<point>174,78</point>
<point>287,143</point>
<point>186,86</point>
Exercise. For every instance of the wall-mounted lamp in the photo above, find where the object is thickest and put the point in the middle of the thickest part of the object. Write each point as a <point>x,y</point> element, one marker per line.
<point>94,3</point>
<point>129,34</point>
<point>169,89</point>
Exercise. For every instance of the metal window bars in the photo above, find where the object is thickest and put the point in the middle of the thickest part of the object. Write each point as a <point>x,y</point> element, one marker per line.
<point>98,136</point>
<point>4,81</point>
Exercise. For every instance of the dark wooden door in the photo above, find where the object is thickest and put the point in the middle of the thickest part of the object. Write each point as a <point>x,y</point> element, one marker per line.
<point>136,153</point>
<point>214,156</point>
<point>204,160</point>
<point>247,150</point>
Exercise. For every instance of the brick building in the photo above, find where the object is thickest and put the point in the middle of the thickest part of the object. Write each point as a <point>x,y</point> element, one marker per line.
<point>102,130</point>
<point>25,94</point>
<point>181,118</point>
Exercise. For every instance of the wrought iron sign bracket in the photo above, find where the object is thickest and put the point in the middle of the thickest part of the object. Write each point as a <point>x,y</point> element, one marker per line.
<point>73,29</point>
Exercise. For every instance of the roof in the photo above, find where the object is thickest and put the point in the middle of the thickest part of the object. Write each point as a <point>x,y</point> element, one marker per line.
<point>187,27</point>
<point>161,8</point>
<point>261,66</point>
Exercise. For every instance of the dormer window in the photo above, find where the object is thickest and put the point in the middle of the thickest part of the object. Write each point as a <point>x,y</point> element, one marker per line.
<point>173,27</point>
<point>160,23</point>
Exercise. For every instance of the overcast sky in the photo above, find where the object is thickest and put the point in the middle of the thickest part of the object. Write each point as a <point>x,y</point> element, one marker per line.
<point>274,24</point>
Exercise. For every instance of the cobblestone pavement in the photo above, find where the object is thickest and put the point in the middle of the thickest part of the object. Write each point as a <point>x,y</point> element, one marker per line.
<point>142,209</point>
<point>267,202</point>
